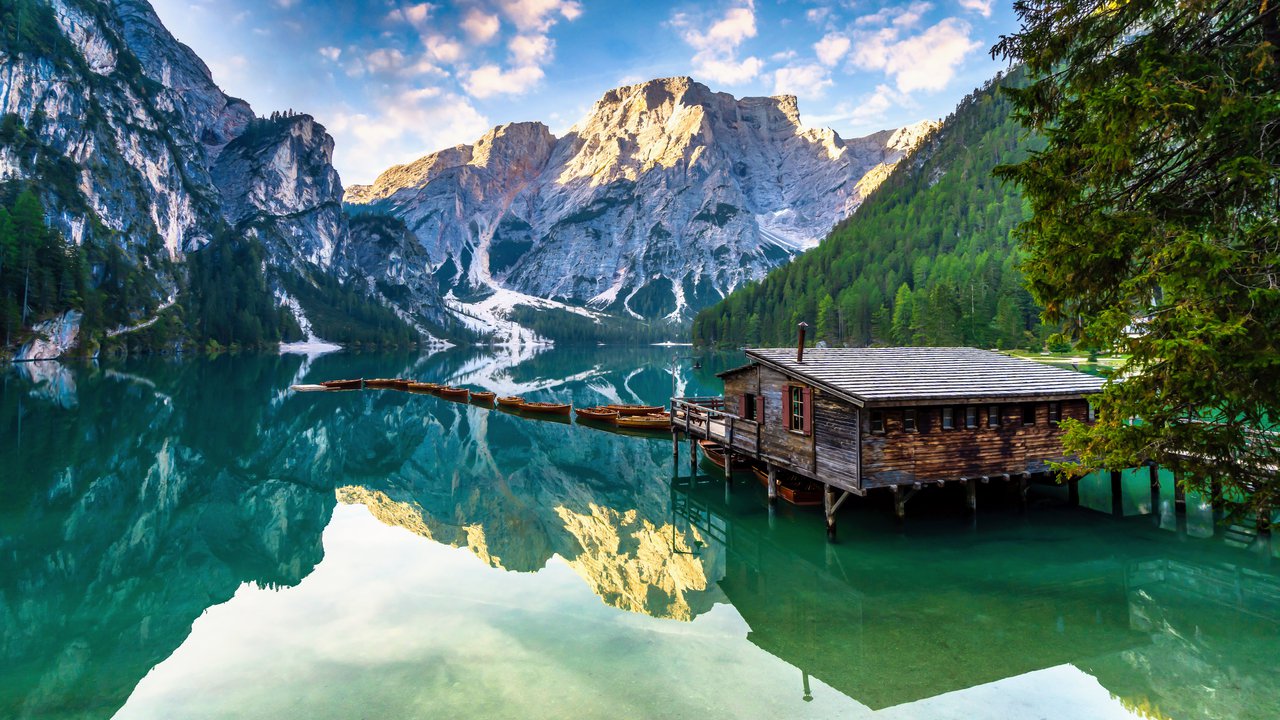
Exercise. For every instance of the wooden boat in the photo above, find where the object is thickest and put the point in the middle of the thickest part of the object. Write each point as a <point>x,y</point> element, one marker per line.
<point>597,414</point>
<point>454,393</point>
<point>653,421</point>
<point>309,388</point>
<point>629,410</point>
<point>795,490</point>
<point>715,453</point>
<point>400,384</point>
<point>483,397</point>
<point>547,408</point>
<point>423,387</point>
<point>344,384</point>
<point>379,383</point>
<point>512,401</point>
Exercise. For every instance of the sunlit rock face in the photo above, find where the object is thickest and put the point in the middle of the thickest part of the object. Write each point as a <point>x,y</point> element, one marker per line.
<point>664,198</point>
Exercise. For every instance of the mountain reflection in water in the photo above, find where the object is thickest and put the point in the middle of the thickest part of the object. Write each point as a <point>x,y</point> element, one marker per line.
<point>138,496</point>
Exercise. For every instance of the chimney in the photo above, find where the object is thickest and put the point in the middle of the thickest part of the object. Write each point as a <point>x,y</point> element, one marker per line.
<point>800,343</point>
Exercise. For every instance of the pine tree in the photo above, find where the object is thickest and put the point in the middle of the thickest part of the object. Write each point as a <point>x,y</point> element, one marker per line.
<point>1157,203</point>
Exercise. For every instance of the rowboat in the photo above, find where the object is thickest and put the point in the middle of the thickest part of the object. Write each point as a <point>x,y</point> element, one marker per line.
<point>344,384</point>
<point>628,410</point>
<point>309,388</point>
<point>597,414</point>
<point>795,490</point>
<point>512,401</point>
<point>652,421</point>
<point>547,408</point>
<point>715,453</point>
<point>482,397</point>
<point>454,393</point>
<point>381,383</point>
<point>423,387</point>
<point>400,384</point>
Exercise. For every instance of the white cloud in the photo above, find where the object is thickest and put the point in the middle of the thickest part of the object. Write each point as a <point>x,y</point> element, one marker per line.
<point>401,127</point>
<point>982,7</point>
<point>384,60</point>
<point>443,49</point>
<point>489,80</point>
<point>809,80</point>
<point>831,48</point>
<point>902,17</point>
<point>817,15</point>
<point>539,15</point>
<point>716,58</point>
<point>415,15</point>
<point>480,26</point>
<point>331,53</point>
<point>926,61</point>
<point>530,49</point>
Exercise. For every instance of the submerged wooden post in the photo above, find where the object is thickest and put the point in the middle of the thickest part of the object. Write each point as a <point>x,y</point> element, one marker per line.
<point>693,459</point>
<point>829,505</point>
<point>1023,487</point>
<point>773,485</point>
<point>1154,475</point>
<point>1073,492</point>
<point>728,451</point>
<point>970,495</point>
<point>899,503</point>
<point>1117,494</point>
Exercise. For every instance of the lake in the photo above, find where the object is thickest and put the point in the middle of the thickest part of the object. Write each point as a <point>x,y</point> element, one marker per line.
<point>191,539</point>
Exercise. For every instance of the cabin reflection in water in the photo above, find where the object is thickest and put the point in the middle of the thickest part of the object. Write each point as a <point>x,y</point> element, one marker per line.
<point>911,623</point>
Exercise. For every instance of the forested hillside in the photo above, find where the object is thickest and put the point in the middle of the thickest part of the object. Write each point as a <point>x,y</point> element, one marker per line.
<point>927,260</point>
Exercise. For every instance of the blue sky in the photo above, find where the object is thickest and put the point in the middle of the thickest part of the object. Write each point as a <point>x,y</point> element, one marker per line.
<point>394,80</point>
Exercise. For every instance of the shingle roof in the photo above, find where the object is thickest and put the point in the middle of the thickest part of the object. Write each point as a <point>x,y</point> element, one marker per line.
<point>877,375</point>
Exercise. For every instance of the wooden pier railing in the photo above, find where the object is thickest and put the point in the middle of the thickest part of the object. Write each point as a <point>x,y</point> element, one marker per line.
<point>705,417</point>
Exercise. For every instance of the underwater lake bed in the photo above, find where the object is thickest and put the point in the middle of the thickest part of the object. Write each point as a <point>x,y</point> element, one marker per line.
<point>191,539</point>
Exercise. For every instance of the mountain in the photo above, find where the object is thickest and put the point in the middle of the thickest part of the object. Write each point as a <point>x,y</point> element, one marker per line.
<point>664,198</point>
<point>186,215</point>
<point>928,259</point>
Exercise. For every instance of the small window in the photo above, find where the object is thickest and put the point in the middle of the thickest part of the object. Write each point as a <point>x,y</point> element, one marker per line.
<point>796,416</point>
<point>1028,414</point>
<point>993,416</point>
<point>948,418</point>
<point>1055,412</point>
<point>971,416</point>
<point>877,421</point>
<point>909,420</point>
<point>748,406</point>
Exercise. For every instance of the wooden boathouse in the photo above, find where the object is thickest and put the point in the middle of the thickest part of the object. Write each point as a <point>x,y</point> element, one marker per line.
<point>862,419</point>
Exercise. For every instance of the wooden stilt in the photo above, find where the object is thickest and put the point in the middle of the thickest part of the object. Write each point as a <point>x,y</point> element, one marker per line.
<point>1179,497</point>
<point>693,460</point>
<point>829,505</point>
<point>970,496</point>
<point>1073,492</point>
<point>1155,492</point>
<point>728,453</point>
<point>773,485</point>
<point>1263,522</point>
<point>1117,494</point>
<point>1023,486</point>
<point>900,502</point>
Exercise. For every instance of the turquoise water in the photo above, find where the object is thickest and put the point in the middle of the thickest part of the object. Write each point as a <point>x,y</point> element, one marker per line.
<point>190,539</point>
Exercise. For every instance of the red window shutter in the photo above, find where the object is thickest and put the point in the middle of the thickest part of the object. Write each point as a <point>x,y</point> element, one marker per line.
<point>742,406</point>
<point>760,409</point>
<point>808,411</point>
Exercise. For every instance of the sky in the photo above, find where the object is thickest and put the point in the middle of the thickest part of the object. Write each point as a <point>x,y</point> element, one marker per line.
<point>393,80</point>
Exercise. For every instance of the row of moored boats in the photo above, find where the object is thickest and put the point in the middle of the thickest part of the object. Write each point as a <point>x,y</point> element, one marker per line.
<point>633,417</point>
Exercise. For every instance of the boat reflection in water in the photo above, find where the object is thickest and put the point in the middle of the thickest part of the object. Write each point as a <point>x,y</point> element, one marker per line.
<point>192,535</point>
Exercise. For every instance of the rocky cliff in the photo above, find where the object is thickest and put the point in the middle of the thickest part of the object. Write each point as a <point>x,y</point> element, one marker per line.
<point>135,152</point>
<point>663,199</point>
